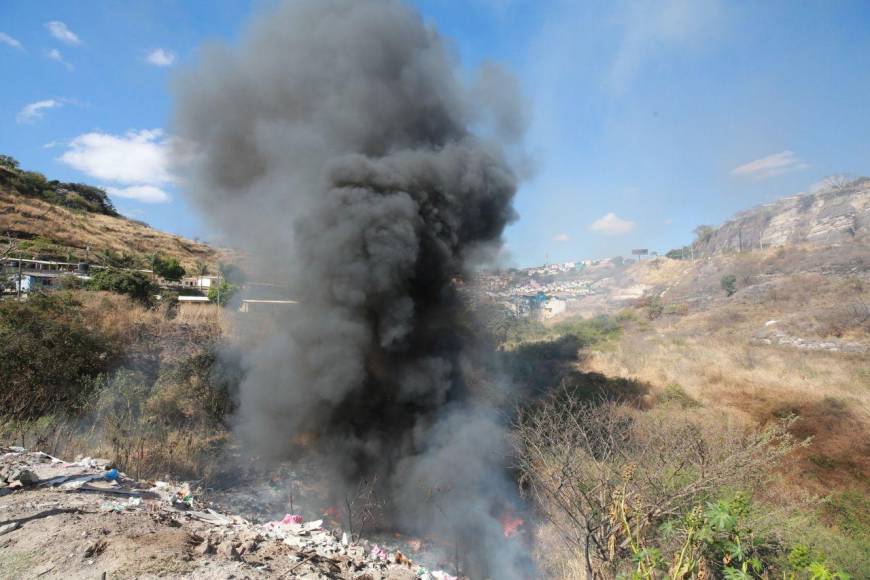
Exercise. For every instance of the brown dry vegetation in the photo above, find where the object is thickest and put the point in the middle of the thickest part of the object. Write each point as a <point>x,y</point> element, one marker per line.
<point>159,404</point>
<point>711,347</point>
<point>792,342</point>
<point>72,232</point>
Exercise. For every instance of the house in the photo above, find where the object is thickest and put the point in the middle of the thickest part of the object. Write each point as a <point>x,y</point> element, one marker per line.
<point>32,282</point>
<point>199,282</point>
<point>265,305</point>
<point>552,308</point>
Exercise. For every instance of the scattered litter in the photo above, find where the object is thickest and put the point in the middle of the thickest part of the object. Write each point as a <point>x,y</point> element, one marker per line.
<point>316,550</point>
<point>112,506</point>
<point>10,527</point>
<point>211,517</point>
<point>104,488</point>
<point>292,519</point>
<point>73,482</point>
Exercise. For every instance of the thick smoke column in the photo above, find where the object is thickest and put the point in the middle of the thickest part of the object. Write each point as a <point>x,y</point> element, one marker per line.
<point>335,144</point>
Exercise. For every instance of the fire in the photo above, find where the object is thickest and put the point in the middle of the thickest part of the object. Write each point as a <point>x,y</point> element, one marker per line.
<point>510,524</point>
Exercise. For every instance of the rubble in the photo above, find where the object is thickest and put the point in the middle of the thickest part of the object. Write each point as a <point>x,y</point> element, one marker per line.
<point>105,512</point>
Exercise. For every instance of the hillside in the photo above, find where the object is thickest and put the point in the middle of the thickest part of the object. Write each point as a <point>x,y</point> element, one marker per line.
<point>791,335</point>
<point>836,213</point>
<point>78,222</point>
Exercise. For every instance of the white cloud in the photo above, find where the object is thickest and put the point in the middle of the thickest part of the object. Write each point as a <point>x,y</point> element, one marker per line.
<point>561,238</point>
<point>8,40</point>
<point>770,166</point>
<point>34,111</point>
<point>611,225</point>
<point>160,57</point>
<point>55,55</point>
<point>61,31</point>
<point>138,157</point>
<point>143,193</point>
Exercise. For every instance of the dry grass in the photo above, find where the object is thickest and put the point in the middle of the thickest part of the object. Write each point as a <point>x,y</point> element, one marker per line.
<point>711,356</point>
<point>159,410</point>
<point>76,231</point>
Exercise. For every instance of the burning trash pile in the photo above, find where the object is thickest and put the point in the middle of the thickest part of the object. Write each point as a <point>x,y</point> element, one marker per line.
<point>95,494</point>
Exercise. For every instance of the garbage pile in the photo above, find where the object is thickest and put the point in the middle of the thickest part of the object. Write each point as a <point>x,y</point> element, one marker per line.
<point>289,547</point>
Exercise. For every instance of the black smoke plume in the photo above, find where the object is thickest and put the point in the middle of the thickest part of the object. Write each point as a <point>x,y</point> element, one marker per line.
<point>335,145</point>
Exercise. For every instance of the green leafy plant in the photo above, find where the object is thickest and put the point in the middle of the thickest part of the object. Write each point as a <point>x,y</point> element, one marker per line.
<point>222,293</point>
<point>729,284</point>
<point>167,268</point>
<point>136,285</point>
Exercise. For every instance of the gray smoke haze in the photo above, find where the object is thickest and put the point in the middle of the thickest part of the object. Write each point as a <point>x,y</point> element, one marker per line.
<point>334,144</point>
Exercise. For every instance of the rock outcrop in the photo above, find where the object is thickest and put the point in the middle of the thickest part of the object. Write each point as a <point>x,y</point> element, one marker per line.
<point>833,214</point>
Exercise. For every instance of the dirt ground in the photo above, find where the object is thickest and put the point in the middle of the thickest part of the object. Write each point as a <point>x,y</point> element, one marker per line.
<point>100,529</point>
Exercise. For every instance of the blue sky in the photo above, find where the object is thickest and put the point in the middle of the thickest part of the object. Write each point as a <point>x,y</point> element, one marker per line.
<point>646,118</point>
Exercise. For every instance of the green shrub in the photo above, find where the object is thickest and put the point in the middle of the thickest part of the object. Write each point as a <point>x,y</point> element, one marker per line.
<point>48,354</point>
<point>591,331</point>
<point>653,306</point>
<point>679,309</point>
<point>675,394</point>
<point>167,268</point>
<point>222,293</point>
<point>136,285</point>
<point>729,284</point>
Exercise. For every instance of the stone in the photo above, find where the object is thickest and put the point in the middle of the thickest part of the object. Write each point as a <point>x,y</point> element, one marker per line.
<point>229,551</point>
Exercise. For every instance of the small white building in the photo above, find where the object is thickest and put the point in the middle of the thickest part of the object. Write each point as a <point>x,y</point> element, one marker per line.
<point>552,308</point>
<point>199,282</point>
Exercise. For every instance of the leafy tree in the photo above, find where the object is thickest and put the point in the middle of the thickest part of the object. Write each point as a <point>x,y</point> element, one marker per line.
<point>8,162</point>
<point>85,197</point>
<point>679,253</point>
<point>136,285</point>
<point>222,293</point>
<point>167,268</point>
<point>729,284</point>
<point>703,233</point>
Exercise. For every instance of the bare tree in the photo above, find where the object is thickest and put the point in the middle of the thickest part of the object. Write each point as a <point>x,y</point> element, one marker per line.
<point>837,182</point>
<point>606,475</point>
<point>362,507</point>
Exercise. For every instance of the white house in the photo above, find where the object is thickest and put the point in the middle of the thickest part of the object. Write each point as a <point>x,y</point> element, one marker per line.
<point>552,308</point>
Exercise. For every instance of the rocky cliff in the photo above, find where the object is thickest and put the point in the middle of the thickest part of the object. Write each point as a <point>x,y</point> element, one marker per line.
<point>837,213</point>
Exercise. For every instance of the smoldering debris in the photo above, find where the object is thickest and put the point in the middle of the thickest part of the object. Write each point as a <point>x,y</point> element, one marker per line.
<point>334,145</point>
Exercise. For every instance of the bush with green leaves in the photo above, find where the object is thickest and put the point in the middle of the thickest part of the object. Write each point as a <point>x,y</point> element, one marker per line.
<point>167,268</point>
<point>136,285</point>
<point>222,293</point>
<point>48,353</point>
<point>8,162</point>
<point>729,284</point>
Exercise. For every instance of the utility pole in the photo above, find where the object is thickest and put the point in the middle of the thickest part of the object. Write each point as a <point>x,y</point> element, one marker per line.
<point>219,293</point>
<point>18,292</point>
